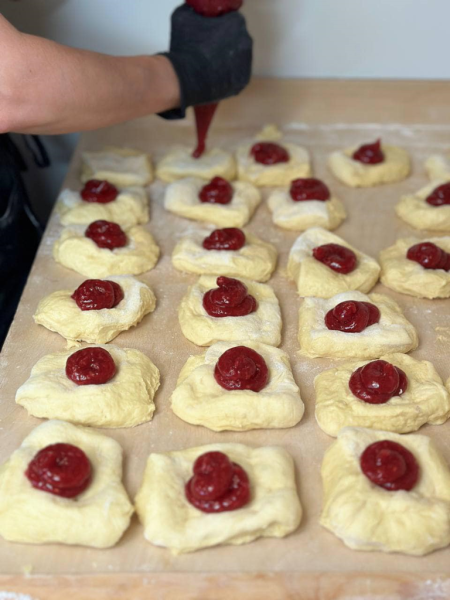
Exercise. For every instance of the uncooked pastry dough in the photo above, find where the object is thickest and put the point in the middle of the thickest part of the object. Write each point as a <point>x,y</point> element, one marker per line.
<point>263,325</point>
<point>81,254</point>
<point>179,163</point>
<point>171,521</point>
<point>396,167</point>
<point>123,167</point>
<point>437,166</point>
<point>298,216</point>
<point>393,333</point>
<point>98,517</point>
<point>415,211</point>
<point>200,400</point>
<point>367,517</point>
<point>59,312</point>
<point>425,400</point>
<point>408,276</point>
<point>255,260</point>
<point>128,209</point>
<point>182,198</point>
<point>124,401</point>
<point>313,278</point>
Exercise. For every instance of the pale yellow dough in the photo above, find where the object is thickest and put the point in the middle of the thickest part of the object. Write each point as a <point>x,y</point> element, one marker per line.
<point>128,209</point>
<point>97,517</point>
<point>396,167</point>
<point>200,400</point>
<point>123,167</point>
<point>437,167</point>
<point>425,400</point>
<point>368,517</point>
<point>393,333</point>
<point>415,211</point>
<point>179,163</point>
<point>408,276</point>
<point>81,254</point>
<point>263,325</point>
<point>255,260</point>
<point>313,278</point>
<point>172,522</point>
<point>60,313</point>
<point>182,199</point>
<point>124,401</point>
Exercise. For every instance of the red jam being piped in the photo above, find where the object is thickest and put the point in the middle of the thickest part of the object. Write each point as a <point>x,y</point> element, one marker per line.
<point>440,196</point>
<point>99,191</point>
<point>217,191</point>
<point>229,238</point>
<point>218,485</point>
<point>378,382</point>
<point>352,316</point>
<point>369,154</point>
<point>90,366</point>
<point>268,153</point>
<point>96,294</point>
<point>60,469</point>
<point>106,234</point>
<point>204,115</point>
<point>214,8</point>
<point>241,368</point>
<point>338,258</point>
<point>309,189</point>
<point>390,466</point>
<point>429,256</point>
<point>230,299</point>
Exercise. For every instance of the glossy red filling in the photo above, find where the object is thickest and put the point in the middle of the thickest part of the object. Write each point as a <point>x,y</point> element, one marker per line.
<point>378,382</point>
<point>217,191</point>
<point>352,316</point>
<point>60,469</point>
<point>390,466</point>
<point>429,256</point>
<point>336,257</point>
<point>214,8</point>
<point>204,115</point>
<point>106,234</point>
<point>230,299</point>
<point>100,191</point>
<point>218,485</point>
<point>96,294</point>
<point>268,153</point>
<point>369,154</point>
<point>90,366</point>
<point>309,189</point>
<point>229,238</point>
<point>241,368</point>
<point>440,196</point>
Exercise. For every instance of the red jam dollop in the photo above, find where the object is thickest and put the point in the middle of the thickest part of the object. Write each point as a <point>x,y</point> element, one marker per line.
<point>390,466</point>
<point>268,153</point>
<point>217,191</point>
<point>378,382</point>
<point>230,299</point>
<point>429,256</point>
<point>214,8</point>
<point>309,189</point>
<point>90,366</point>
<point>100,191</point>
<point>106,234</point>
<point>229,238</point>
<point>60,469</point>
<point>337,258</point>
<point>440,196</point>
<point>352,316</point>
<point>241,368</point>
<point>218,485</point>
<point>96,294</point>
<point>369,154</point>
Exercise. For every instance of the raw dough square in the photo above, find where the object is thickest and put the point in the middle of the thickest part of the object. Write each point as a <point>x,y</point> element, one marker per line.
<point>182,199</point>
<point>415,211</point>
<point>97,517</point>
<point>264,325</point>
<point>171,521</point>
<point>313,278</point>
<point>123,167</point>
<point>179,163</point>
<point>200,400</point>
<point>393,333</point>
<point>437,166</point>
<point>367,517</point>
<point>425,399</point>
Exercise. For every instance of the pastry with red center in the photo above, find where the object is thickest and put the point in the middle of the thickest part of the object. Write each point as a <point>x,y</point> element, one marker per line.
<point>203,164</point>
<point>428,208</point>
